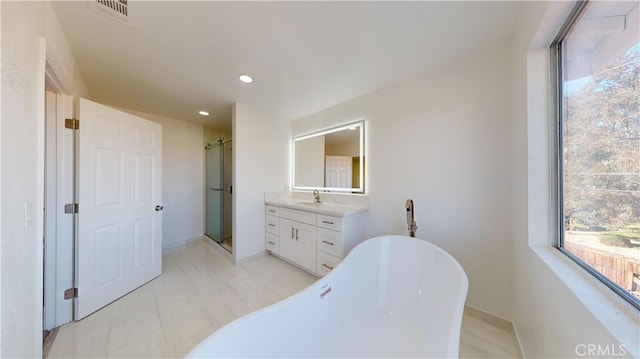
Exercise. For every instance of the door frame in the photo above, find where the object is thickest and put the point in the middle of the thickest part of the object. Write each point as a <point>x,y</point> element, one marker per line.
<point>58,234</point>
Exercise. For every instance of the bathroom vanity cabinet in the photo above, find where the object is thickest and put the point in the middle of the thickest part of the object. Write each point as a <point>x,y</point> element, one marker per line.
<point>310,238</point>
<point>298,242</point>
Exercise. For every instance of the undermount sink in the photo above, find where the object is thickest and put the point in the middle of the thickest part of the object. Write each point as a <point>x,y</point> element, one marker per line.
<point>310,204</point>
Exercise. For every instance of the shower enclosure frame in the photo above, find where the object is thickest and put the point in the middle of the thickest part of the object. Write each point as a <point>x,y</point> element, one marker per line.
<point>218,190</point>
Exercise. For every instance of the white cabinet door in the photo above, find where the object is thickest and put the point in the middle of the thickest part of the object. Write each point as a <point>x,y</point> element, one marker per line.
<point>288,244</point>
<point>119,241</point>
<point>306,238</point>
<point>298,243</point>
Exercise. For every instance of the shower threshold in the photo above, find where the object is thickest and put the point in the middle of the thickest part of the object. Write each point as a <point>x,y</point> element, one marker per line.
<point>226,243</point>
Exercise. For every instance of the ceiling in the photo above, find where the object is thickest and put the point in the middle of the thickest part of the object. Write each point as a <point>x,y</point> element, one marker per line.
<point>173,58</point>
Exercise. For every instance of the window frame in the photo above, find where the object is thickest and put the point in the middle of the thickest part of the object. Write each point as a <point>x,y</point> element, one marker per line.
<point>556,91</point>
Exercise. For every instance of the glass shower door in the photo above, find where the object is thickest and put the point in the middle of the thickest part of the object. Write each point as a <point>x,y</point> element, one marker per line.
<point>214,227</point>
<point>227,193</point>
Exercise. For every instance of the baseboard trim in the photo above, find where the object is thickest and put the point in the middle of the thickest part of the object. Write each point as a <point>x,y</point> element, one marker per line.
<point>292,263</point>
<point>169,247</point>
<point>515,332</point>
<point>488,318</point>
<point>495,321</point>
<point>218,248</point>
<point>252,257</point>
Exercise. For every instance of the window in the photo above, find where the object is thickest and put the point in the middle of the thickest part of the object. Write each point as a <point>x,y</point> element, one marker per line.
<point>597,58</point>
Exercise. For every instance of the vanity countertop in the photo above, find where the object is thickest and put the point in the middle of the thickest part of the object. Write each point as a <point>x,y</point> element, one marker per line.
<point>329,207</point>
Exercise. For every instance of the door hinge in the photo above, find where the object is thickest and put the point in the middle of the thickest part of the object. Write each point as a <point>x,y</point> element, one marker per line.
<point>71,293</point>
<point>71,208</point>
<point>72,123</point>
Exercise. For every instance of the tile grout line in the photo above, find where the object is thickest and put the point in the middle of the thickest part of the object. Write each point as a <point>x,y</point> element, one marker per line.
<point>106,348</point>
<point>192,294</point>
<point>162,324</point>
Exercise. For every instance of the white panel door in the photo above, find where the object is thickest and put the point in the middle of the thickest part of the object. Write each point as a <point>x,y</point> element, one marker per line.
<point>119,236</point>
<point>339,171</point>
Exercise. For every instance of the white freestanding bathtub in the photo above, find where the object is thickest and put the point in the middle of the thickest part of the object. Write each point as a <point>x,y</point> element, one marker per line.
<point>392,296</point>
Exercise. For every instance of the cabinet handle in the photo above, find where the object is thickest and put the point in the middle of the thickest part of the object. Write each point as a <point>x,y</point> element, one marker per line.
<point>327,222</point>
<point>292,229</point>
<point>271,243</point>
<point>296,234</point>
<point>329,243</point>
<point>272,225</point>
<point>272,210</point>
<point>327,266</point>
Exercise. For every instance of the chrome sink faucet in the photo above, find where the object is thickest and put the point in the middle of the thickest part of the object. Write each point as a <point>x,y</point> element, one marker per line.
<point>316,196</point>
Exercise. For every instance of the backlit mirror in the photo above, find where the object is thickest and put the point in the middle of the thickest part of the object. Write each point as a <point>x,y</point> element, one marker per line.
<point>330,160</point>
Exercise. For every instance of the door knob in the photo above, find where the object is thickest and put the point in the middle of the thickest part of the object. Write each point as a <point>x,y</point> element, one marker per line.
<point>159,208</point>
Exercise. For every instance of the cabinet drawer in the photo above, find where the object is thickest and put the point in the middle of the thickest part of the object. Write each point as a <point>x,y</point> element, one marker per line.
<point>326,263</point>
<point>272,242</point>
<point>273,225</point>
<point>329,222</point>
<point>273,211</point>
<point>298,216</point>
<point>330,242</point>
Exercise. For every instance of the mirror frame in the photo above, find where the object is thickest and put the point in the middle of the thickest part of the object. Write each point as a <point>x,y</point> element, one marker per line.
<point>357,190</point>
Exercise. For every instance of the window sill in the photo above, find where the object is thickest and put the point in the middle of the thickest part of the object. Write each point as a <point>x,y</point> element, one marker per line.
<point>620,318</point>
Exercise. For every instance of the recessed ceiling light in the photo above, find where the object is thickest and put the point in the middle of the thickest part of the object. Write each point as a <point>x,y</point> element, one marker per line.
<point>246,79</point>
<point>203,113</point>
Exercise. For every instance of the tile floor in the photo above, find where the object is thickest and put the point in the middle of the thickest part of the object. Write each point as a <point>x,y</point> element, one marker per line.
<point>200,291</point>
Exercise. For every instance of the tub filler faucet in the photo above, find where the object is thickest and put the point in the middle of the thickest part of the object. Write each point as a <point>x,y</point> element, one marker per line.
<point>316,196</point>
<point>411,223</point>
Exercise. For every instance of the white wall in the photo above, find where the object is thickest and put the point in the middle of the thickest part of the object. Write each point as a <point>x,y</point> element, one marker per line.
<point>211,134</point>
<point>557,305</point>
<point>24,25</point>
<point>261,152</point>
<point>443,139</point>
<point>1,235</point>
<point>182,179</point>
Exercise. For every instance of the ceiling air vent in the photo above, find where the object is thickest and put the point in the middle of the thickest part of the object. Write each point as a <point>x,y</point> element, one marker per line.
<point>117,8</point>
